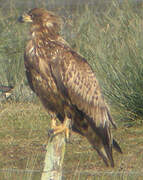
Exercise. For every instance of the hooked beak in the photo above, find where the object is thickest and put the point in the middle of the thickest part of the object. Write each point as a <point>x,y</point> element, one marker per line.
<point>25,18</point>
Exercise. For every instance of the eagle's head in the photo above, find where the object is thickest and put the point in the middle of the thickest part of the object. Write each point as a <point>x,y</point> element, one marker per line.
<point>43,18</point>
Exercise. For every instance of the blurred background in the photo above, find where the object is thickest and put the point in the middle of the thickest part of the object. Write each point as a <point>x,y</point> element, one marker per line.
<point>109,34</point>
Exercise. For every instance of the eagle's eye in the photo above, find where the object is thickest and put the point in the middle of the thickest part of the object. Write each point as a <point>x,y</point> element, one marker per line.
<point>32,16</point>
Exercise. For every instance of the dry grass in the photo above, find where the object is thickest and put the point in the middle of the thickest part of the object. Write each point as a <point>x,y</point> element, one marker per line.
<point>23,133</point>
<point>111,40</point>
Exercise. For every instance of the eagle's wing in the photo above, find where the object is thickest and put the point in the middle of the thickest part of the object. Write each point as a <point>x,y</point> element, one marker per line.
<point>77,81</point>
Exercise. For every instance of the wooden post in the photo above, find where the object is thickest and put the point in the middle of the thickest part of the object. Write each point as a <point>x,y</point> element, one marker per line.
<point>54,158</point>
<point>55,153</point>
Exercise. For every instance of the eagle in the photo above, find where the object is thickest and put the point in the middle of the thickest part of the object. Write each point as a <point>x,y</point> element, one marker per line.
<point>66,84</point>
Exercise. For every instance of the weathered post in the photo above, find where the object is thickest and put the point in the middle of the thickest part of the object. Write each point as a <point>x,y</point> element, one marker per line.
<point>55,152</point>
<point>54,157</point>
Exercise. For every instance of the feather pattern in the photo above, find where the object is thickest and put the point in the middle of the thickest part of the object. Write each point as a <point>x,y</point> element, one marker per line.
<point>66,84</point>
<point>82,86</point>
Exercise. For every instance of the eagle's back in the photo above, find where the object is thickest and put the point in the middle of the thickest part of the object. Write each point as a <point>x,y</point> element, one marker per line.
<point>66,83</point>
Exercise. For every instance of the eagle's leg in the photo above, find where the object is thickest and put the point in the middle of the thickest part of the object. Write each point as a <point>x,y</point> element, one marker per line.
<point>64,127</point>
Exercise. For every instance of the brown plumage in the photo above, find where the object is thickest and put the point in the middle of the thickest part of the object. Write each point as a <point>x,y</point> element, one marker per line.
<point>66,84</point>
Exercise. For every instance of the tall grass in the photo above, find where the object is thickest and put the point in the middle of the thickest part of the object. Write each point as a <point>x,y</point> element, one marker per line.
<point>112,43</point>
<point>110,37</point>
<point>11,51</point>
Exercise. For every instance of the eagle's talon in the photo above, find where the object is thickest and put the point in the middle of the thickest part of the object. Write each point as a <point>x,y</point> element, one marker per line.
<point>50,132</point>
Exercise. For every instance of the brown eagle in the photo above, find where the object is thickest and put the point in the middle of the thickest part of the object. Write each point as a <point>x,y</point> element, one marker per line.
<point>66,84</point>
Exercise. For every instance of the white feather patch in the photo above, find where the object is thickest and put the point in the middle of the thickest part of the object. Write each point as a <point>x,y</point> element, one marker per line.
<point>31,51</point>
<point>49,24</point>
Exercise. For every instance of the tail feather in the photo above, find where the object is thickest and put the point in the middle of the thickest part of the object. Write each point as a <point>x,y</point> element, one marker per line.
<point>98,133</point>
<point>116,146</point>
<point>101,154</point>
<point>111,120</point>
<point>101,140</point>
<point>108,150</point>
<point>103,147</point>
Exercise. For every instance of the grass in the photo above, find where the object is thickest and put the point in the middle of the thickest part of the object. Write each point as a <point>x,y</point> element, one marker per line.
<point>110,37</point>
<point>23,133</point>
<point>22,138</point>
<point>112,43</point>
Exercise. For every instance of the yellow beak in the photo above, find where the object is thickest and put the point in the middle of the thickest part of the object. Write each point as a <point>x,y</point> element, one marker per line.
<point>25,18</point>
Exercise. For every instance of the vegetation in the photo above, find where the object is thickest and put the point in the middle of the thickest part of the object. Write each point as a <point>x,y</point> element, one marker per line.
<point>112,43</point>
<point>110,38</point>
<point>109,35</point>
<point>23,136</point>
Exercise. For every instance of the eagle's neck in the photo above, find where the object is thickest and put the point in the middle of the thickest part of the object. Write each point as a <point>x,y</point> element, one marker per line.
<point>43,33</point>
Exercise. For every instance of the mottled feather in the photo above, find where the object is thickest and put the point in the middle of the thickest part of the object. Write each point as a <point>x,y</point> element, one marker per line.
<point>65,82</point>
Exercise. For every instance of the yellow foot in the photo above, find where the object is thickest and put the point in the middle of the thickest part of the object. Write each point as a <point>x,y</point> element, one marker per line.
<point>55,130</point>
